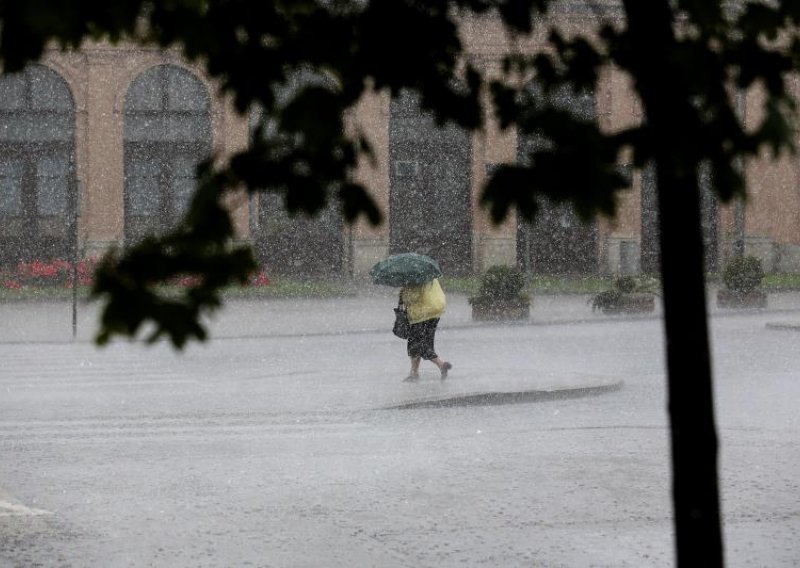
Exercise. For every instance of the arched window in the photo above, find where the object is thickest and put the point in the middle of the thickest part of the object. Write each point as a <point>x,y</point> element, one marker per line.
<point>37,188</point>
<point>167,133</point>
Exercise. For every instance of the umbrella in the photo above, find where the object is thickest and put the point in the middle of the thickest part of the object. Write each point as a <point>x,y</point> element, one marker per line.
<point>405,269</point>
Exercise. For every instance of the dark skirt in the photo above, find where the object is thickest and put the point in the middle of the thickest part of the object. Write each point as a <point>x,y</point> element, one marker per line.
<point>420,339</point>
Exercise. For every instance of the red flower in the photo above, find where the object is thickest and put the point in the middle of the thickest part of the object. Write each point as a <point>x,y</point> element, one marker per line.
<point>188,281</point>
<point>57,271</point>
<point>260,280</point>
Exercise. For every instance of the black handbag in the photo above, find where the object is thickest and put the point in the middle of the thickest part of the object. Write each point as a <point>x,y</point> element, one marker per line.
<point>401,325</point>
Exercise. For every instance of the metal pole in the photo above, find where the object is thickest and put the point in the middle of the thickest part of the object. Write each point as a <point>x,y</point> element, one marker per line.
<point>351,251</point>
<point>74,247</point>
<point>738,211</point>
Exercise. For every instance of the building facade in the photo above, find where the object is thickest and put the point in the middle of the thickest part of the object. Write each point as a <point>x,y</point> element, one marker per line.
<point>100,145</point>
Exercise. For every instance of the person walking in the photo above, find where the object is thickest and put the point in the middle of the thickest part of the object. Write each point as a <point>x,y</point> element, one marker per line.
<point>424,305</point>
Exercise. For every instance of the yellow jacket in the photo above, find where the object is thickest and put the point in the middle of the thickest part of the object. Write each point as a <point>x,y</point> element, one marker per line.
<point>424,302</point>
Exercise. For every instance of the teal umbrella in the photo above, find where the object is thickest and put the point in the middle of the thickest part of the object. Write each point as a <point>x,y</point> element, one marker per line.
<point>405,269</point>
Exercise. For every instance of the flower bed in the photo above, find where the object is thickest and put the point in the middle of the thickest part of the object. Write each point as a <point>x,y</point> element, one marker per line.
<point>59,273</point>
<point>51,274</point>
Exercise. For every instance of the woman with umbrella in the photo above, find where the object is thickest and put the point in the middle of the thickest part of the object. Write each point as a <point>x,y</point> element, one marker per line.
<point>422,297</point>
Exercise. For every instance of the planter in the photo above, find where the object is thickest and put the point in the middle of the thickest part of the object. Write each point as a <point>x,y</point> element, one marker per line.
<point>730,299</point>
<point>501,310</point>
<point>632,303</point>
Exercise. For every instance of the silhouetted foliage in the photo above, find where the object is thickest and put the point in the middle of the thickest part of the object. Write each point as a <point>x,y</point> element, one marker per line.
<point>685,58</point>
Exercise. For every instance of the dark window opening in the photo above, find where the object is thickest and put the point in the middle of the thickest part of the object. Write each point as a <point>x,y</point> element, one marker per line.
<point>557,242</point>
<point>37,175</point>
<point>430,181</point>
<point>297,244</point>
<point>167,134</point>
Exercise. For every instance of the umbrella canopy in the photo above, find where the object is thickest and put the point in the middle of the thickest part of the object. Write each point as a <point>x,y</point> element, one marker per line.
<point>405,269</point>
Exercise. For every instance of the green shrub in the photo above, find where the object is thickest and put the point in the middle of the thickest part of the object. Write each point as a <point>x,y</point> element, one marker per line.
<point>500,283</point>
<point>625,284</point>
<point>606,300</point>
<point>611,299</point>
<point>743,274</point>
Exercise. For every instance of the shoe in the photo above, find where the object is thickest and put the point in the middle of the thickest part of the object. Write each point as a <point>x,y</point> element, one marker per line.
<point>446,367</point>
<point>412,378</point>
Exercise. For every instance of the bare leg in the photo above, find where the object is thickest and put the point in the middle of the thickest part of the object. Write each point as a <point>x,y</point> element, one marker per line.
<point>443,365</point>
<point>413,375</point>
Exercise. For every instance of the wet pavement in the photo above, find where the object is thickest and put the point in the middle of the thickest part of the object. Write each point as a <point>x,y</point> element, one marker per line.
<point>290,440</point>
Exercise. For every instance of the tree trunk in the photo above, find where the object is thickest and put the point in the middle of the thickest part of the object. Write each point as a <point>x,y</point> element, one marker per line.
<point>691,407</point>
<point>691,410</point>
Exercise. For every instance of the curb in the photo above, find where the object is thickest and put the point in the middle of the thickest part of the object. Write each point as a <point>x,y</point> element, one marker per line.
<point>456,325</point>
<point>784,326</point>
<point>494,398</point>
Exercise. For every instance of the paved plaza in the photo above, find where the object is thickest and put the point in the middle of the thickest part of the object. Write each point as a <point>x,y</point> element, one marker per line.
<point>290,440</point>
